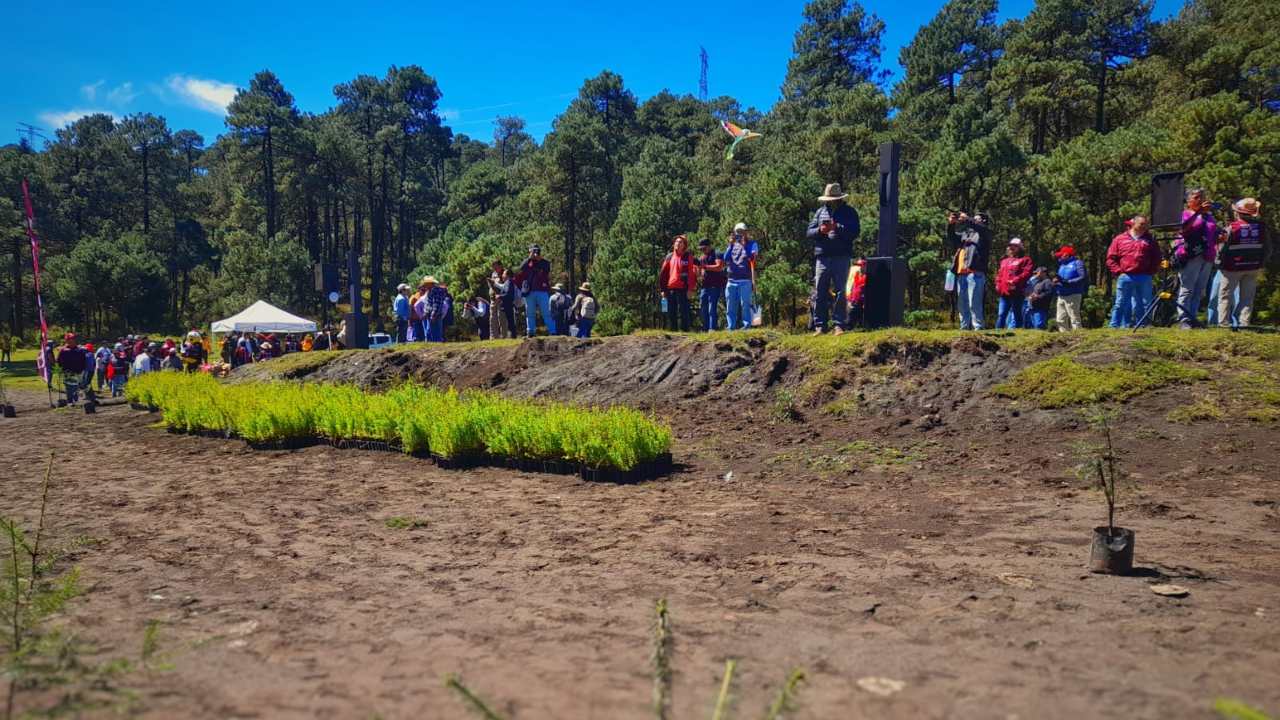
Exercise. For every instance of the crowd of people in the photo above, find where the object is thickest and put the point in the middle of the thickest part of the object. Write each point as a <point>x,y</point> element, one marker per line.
<point>427,313</point>
<point>111,364</point>
<point>1225,261</point>
<point>1232,257</point>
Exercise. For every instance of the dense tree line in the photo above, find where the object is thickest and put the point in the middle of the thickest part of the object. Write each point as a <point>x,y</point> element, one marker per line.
<point>1052,123</point>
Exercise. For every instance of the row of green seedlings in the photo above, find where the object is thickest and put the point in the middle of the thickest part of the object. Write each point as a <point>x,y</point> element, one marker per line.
<point>455,426</point>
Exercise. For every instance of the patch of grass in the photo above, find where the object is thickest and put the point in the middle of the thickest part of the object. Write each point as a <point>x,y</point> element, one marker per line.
<point>784,407</point>
<point>1200,410</point>
<point>883,454</point>
<point>1208,344</point>
<point>21,374</point>
<point>401,522</point>
<point>1062,381</point>
<point>1263,414</point>
<point>825,351</point>
<point>846,406</point>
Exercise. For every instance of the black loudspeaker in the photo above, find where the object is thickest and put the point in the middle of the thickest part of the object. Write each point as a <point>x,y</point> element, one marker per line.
<point>326,277</point>
<point>1166,200</point>
<point>883,296</point>
<point>357,330</point>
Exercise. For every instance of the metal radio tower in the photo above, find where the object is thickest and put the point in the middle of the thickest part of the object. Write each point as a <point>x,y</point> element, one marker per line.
<point>702,79</point>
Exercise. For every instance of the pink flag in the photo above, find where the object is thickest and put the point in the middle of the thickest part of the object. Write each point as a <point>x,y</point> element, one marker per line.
<point>42,358</point>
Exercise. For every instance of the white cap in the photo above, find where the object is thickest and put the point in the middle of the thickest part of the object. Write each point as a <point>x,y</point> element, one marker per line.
<point>1016,241</point>
<point>740,226</point>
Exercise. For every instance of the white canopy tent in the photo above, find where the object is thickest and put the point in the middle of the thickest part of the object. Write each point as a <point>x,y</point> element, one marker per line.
<point>262,316</point>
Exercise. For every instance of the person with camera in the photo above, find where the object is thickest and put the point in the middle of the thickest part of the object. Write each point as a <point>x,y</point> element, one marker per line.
<point>504,293</point>
<point>711,268</point>
<point>1011,283</point>
<point>969,238</point>
<point>834,228</point>
<point>1040,294</point>
<point>1070,285</point>
<point>1242,257</point>
<point>1133,258</point>
<point>740,267</point>
<point>1193,253</point>
<point>534,282</point>
<point>677,281</point>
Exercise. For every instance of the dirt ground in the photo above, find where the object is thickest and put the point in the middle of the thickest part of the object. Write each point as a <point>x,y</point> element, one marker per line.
<point>948,554</point>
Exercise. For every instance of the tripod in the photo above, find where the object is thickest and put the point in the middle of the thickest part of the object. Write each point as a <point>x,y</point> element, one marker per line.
<point>1161,310</point>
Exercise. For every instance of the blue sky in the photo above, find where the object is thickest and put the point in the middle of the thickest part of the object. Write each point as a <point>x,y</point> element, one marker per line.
<point>184,61</point>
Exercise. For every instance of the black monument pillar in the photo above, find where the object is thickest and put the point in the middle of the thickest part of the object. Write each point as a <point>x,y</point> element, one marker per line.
<point>357,323</point>
<point>886,273</point>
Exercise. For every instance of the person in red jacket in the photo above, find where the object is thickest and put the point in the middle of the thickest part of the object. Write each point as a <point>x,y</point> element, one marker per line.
<point>1011,285</point>
<point>678,280</point>
<point>1242,258</point>
<point>1133,258</point>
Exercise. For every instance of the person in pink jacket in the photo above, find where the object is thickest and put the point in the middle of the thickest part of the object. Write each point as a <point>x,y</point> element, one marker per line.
<point>1193,253</point>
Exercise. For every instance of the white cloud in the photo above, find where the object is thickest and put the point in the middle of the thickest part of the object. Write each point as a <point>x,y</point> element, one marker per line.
<point>57,119</point>
<point>122,94</point>
<point>90,91</point>
<point>450,114</point>
<point>209,95</point>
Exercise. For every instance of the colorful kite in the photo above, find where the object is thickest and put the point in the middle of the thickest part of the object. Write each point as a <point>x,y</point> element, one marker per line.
<point>738,134</point>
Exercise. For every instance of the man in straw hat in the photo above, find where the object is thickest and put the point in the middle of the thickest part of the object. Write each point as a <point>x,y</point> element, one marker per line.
<point>834,228</point>
<point>585,309</point>
<point>1242,259</point>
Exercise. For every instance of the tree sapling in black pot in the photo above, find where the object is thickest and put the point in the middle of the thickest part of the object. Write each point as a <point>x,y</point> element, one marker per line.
<point>1112,550</point>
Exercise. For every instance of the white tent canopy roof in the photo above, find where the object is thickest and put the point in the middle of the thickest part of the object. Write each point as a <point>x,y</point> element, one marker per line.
<point>262,316</point>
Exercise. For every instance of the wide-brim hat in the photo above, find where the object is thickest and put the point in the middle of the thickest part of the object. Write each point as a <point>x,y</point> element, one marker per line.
<point>833,191</point>
<point>558,286</point>
<point>743,226</point>
<point>585,287</point>
<point>429,280</point>
<point>1247,206</point>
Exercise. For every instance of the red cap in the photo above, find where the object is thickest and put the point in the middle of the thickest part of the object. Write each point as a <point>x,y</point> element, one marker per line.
<point>88,346</point>
<point>1064,252</point>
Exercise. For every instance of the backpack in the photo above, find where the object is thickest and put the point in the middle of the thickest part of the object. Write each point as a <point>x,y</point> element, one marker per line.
<point>589,308</point>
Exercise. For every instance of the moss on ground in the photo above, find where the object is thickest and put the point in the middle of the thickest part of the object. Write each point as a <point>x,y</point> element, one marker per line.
<point>1062,381</point>
<point>1200,410</point>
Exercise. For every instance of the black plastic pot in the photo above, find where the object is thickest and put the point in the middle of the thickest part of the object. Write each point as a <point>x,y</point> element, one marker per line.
<point>137,406</point>
<point>10,411</point>
<point>559,467</point>
<point>463,462</point>
<point>90,408</point>
<point>1112,553</point>
<point>62,403</point>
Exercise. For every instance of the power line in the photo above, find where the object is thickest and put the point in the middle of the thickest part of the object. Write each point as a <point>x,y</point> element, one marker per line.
<point>32,132</point>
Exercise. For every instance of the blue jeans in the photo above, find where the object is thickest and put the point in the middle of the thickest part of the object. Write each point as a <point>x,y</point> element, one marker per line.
<point>117,385</point>
<point>584,326</point>
<point>1009,314</point>
<point>1038,319</point>
<point>1212,319</point>
<point>538,300</point>
<point>709,307</point>
<point>737,304</point>
<point>830,273</point>
<point>435,330</point>
<point>72,386</point>
<point>1194,277</point>
<point>1133,295</point>
<point>969,300</point>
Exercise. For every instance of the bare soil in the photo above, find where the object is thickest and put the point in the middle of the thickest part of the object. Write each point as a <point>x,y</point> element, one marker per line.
<point>938,537</point>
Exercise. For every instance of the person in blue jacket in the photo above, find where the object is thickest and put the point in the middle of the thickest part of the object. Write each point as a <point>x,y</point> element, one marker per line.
<point>1071,284</point>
